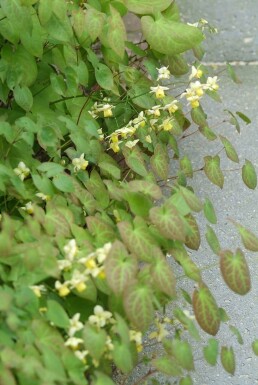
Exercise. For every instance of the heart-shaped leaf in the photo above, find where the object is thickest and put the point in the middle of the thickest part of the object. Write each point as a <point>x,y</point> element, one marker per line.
<point>213,171</point>
<point>227,357</point>
<point>249,175</point>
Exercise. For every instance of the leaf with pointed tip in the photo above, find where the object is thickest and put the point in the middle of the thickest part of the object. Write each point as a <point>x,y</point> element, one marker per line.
<point>186,166</point>
<point>97,188</point>
<point>190,268</point>
<point>249,175</point>
<point>227,357</point>
<point>116,33</point>
<point>191,199</point>
<point>101,230</point>
<point>167,365</point>
<point>84,197</point>
<point>179,36</point>
<point>233,120</point>
<point>249,240</point>
<point>94,340</point>
<point>255,347</point>
<point>146,187</point>
<point>193,239</point>
<point>243,117</point>
<point>230,150</point>
<point>199,116</point>
<point>144,7</point>
<point>232,74</point>
<point>213,171</point>
<point>206,310</point>
<point>160,161</point>
<point>182,352</point>
<point>168,221</point>
<point>138,306</point>
<point>237,333</point>
<point>235,271</point>
<point>209,211</point>
<point>137,239</point>
<point>212,240</point>
<point>208,133</point>
<point>211,351</point>
<point>187,323</point>
<point>120,267</point>
<point>94,21</point>
<point>134,159</point>
<point>162,274</point>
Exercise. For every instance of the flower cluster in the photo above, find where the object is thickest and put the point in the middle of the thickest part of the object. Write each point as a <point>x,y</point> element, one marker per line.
<point>77,270</point>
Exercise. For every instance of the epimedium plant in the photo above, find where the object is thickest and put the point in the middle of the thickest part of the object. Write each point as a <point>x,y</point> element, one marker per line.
<point>89,239</point>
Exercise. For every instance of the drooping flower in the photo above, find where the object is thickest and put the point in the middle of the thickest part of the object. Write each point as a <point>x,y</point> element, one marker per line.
<point>38,289</point>
<point>159,91</point>
<point>28,208</point>
<point>75,325</point>
<point>212,83</point>
<point>73,342</point>
<point>131,143</point>
<point>70,249</point>
<point>195,73</point>
<point>101,317</point>
<point>62,288</point>
<point>42,196</point>
<point>163,73</point>
<point>22,171</point>
<point>80,163</point>
<point>171,107</point>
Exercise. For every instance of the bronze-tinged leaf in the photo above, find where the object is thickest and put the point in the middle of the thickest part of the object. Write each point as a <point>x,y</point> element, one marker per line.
<point>146,187</point>
<point>191,199</point>
<point>162,274</point>
<point>206,310</point>
<point>227,357</point>
<point>235,271</point>
<point>120,268</point>
<point>249,240</point>
<point>160,161</point>
<point>138,306</point>
<point>213,171</point>
<point>193,239</point>
<point>168,221</point>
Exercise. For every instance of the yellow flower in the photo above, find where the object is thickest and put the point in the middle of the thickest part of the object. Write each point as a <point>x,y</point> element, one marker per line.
<point>154,111</point>
<point>73,342</point>
<point>148,139</point>
<point>159,91</point>
<point>44,197</point>
<point>171,107</point>
<point>37,289</point>
<point>196,73</point>
<point>163,73</point>
<point>28,208</point>
<point>114,147</point>
<point>212,84</point>
<point>62,288</point>
<point>22,171</point>
<point>80,163</point>
<point>167,125</point>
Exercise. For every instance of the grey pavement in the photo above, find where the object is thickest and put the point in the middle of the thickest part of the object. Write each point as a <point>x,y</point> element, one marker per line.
<point>237,41</point>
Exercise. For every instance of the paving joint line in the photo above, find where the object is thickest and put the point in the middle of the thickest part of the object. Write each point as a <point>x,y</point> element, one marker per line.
<point>233,63</point>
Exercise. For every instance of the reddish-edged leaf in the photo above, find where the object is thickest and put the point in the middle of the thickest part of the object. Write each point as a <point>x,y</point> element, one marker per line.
<point>192,239</point>
<point>249,240</point>
<point>235,271</point>
<point>206,310</point>
<point>208,133</point>
<point>191,270</point>
<point>227,357</point>
<point>138,305</point>
<point>160,161</point>
<point>146,187</point>
<point>134,159</point>
<point>162,274</point>
<point>230,150</point>
<point>249,175</point>
<point>211,351</point>
<point>168,221</point>
<point>191,199</point>
<point>212,240</point>
<point>213,171</point>
<point>120,267</point>
<point>137,238</point>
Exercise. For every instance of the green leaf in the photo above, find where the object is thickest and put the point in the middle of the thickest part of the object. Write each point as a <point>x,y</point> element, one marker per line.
<point>134,159</point>
<point>51,169</point>
<point>249,240</point>
<point>120,268</point>
<point>213,171</point>
<point>167,365</point>
<point>199,117</point>
<point>249,175</point>
<point>211,351</point>
<point>169,37</point>
<point>190,268</point>
<point>23,97</point>
<point>146,187</point>
<point>45,10</point>
<point>206,310</point>
<point>160,161</point>
<point>102,379</point>
<point>139,203</point>
<point>97,188</point>
<point>193,239</point>
<point>209,211</point>
<point>137,239</point>
<point>191,199</point>
<point>212,240</point>
<point>187,323</point>
<point>227,357</point>
<point>186,381</point>
<point>94,340</point>
<point>104,76</point>
<point>116,32</point>
<point>56,314</point>
<point>138,306</point>
<point>186,166</point>
<point>63,183</point>
<point>144,7</point>
<point>255,347</point>
<point>208,133</point>
<point>122,329</point>
<point>122,357</point>
<point>235,271</point>
<point>243,117</point>
<point>162,274</point>
<point>237,333</point>
<point>230,150</point>
<point>233,120</point>
<point>94,20</point>
<point>232,74</point>
<point>177,64</point>
<point>168,221</point>
<point>101,230</point>
<point>181,351</point>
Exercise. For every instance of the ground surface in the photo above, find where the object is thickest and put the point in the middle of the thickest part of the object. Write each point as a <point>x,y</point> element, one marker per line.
<point>237,42</point>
